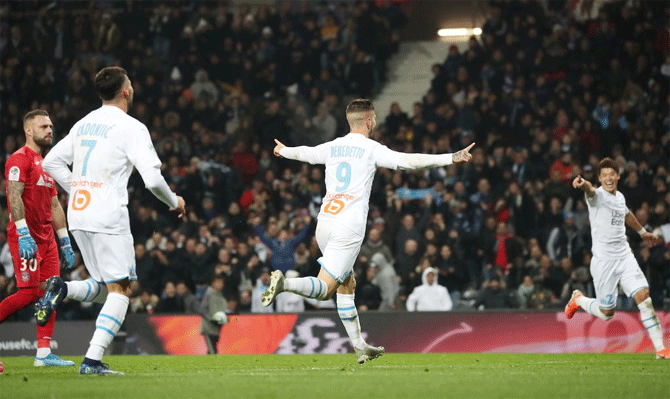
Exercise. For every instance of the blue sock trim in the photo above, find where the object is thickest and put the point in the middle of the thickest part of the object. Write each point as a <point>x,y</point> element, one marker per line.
<point>651,318</point>
<point>99,290</point>
<point>653,325</point>
<point>105,329</point>
<point>111,318</point>
<point>320,289</point>
<point>311,293</point>
<point>90,287</point>
<point>348,318</point>
<point>347,308</point>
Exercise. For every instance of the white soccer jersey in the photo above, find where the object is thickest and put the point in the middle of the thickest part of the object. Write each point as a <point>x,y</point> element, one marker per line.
<point>102,148</point>
<point>351,162</point>
<point>607,215</point>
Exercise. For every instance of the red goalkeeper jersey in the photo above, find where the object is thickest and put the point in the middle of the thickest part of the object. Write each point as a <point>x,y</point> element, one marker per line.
<point>25,165</point>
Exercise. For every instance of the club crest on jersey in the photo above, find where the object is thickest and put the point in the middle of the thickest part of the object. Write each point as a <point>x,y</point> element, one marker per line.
<point>14,173</point>
<point>25,277</point>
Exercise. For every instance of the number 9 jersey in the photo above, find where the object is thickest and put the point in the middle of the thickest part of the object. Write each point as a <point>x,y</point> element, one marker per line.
<point>351,162</point>
<point>102,148</point>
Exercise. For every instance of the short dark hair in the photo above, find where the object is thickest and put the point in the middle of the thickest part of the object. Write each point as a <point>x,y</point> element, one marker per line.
<point>360,105</point>
<point>34,114</point>
<point>608,163</point>
<point>109,81</point>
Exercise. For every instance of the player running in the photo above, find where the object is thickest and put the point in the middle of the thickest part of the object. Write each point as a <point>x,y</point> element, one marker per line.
<point>613,261</point>
<point>351,162</point>
<point>34,214</point>
<point>102,148</point>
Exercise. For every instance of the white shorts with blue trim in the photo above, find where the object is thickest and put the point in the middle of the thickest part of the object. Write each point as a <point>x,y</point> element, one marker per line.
<point>609,274</point>
<point>109,258</point>
<point>339,246</point>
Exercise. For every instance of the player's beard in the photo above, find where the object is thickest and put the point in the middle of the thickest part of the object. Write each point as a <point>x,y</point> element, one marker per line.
<point>44,142</point>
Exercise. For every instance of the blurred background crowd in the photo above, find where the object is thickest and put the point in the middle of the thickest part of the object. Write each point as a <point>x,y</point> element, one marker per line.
<point>546,91</point>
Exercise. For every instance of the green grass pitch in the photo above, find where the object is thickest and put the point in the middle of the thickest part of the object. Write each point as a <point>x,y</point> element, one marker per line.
<point>404,376</point>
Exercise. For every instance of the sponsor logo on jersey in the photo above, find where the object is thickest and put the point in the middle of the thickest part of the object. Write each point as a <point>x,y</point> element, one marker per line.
<point>14,173</point>
<point>25,277</point>
<point>86,183</point>
<point>80,200</point>
<point>42,182</point>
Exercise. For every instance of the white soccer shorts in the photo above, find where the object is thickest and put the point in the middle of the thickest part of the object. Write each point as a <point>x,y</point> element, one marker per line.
<point>608,274</point>
<point>109,258</point>
<point>339,246</point>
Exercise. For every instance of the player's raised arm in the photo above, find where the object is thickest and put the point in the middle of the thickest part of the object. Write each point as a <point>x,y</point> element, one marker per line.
<point>312,155</point>
<point>584,185</point>
<point>422,161</point>
<point>650,239</point>
<point>57,160</point>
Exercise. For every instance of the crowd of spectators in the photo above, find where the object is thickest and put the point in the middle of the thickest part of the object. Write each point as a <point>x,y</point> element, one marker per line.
<point>545,94</point>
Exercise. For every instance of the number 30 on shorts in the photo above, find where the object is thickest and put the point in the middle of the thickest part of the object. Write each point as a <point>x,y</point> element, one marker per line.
<point>29,264</point>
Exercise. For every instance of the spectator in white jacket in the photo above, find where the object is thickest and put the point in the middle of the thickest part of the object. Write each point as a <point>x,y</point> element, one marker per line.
<point>429,296</point>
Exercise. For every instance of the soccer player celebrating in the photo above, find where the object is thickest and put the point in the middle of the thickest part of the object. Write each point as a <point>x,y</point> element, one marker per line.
<point>613,262</point>
<point>102,148</point>
<point>351,162</point>
<point>34,214</point>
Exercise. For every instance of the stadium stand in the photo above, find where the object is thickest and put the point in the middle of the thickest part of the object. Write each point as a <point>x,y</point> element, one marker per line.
<point>545,93</point>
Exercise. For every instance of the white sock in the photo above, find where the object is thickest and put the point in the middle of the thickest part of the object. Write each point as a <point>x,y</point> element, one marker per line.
<point>107,325</point>
<point>651,323</point>
<point>588,305</point>
<point>309,287</point>
<point>86,291</point>
<point>346,308</point>
<point>43,352</point>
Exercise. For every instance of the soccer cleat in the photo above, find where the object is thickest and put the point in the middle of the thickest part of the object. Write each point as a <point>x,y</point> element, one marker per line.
<point>101,368</point>
<point>54,293</point>
<point>572,306</point>
<point>2,368</point>
<point>663,354</point>
<point>368,353</point>
<point>51,360</point>
<point>276,286</point>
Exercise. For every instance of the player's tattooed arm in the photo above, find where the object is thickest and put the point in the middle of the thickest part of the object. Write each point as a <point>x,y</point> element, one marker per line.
<point>15,200</point>
<point>463,155</point>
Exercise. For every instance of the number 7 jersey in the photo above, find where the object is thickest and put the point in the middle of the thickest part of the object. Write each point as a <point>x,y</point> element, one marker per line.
<point>102,148</point>
<point>351,162</point>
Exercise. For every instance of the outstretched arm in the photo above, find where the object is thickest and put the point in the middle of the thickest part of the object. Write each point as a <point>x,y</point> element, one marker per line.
<point>313,155</point>
<point>650,239</point>
<point>584,185</point>
<point>422,161</point>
